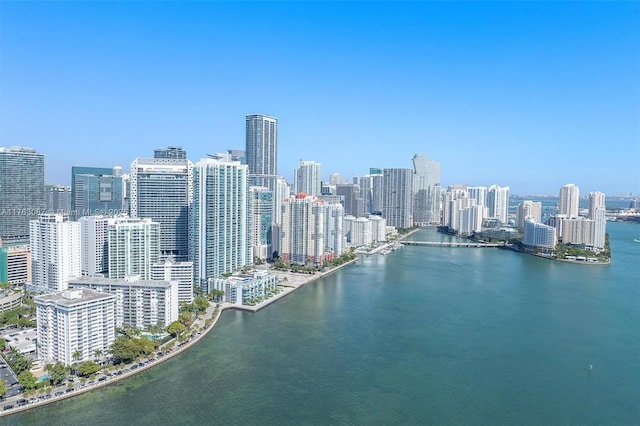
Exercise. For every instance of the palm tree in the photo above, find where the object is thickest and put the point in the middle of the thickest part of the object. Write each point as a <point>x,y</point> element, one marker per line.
<point>98,354</point>
<point>76,355</point>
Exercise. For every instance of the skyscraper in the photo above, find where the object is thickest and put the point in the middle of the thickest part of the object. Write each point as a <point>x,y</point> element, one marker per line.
<point>302,231</point>
<point>134,246</point>
<point>58,199</point>
<point>262,149</point>
<point>219,229</point>
<point>55,251</point>
<point>598,213</point>
<point>94,232</point>
<point>397,197</point>
<point>21,192</point>
<point>261,205</point>
<point>426,190</point>
<point>498,202</point>
<point>160,189</point>
<point>96,191</point>
<point>308,178</point>
<point>568,201</point>
<point>528,210</point>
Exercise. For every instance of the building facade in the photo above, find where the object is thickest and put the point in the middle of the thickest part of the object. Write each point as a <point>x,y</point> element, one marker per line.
<point>21,192</point>
<point>58,199</point>
<point>160,189</point>
<point>426,190</point>
<point>308,178</point>
<point>181,272</point>
<point>220,233</point>
<point>55,252</point>
<point>96,191</point>
<point>94,245</point>
<point>261,207</point>
<point>302,231</point>
<point>569,200</point>
<point>134,246</point>
<point>261,149</point>
<point>74,320</point>
<point>398,197</point>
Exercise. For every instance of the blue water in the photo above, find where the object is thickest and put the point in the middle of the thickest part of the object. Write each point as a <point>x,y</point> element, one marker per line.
<point>425,335</point>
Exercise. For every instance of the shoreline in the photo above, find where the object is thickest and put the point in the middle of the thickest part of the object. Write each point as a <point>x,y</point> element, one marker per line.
<point>299,281</point>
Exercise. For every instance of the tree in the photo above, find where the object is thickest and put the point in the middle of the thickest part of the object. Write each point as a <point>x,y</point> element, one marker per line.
<point>98,354</point>
<point>186,318</point>
<point>87,368</point>
<point>175,328</point>
<point>3,388</point>
<point>27,380</point>
<point>57,373</point>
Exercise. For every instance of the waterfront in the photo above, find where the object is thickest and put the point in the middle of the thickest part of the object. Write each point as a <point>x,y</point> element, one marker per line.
<point>422,335</point>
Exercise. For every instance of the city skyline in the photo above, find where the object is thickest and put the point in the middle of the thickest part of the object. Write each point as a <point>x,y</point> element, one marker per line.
<point>525,95</point>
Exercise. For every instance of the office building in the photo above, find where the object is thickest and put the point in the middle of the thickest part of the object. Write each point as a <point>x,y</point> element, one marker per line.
<point>160,189</point>
<point>134,245</point>
<point>57,199</point>
<point>15,264</point>
<point>397,197</point>
<point>371,189</point>
<point>353,199</point>
<point>80,320</point>
<point>21,192</point>
<point>308,178</point>
<point>55,252</point>
<point>426,190</point>
<point>138,303</point>
<point>220,234</point>
<point>262,149</point>
<point>96,191</point>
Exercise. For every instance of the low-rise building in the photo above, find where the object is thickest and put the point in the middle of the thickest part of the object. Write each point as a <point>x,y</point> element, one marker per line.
<point>241,289</point>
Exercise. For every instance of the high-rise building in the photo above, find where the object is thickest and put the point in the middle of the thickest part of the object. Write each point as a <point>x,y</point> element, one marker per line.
<point>598,213</point>
<point>220,237</point>
<point>15,264</point>
<point>57,199</point>
<point>353,199</point>
<point>55,252</point>
<point>397,197</point>
<point>498,202</point>
<point>334,238</point>
<point>160,189</point>
<point>134,245</point>
<point>335,179</point>
<point>96,191</point>
<point>139,303</point>
<point>528,210</point>
<point>21,192</point>
<point>539,236</point>
<point>308,178</point>
<point>426,190</point>
<point>261,207</point>
<point>80,320</point>
<point>569,200</point>
<point>94,232</point>
<point>181,272</point>
<point>372,192</point>
<point>302,231</point>
<point>262,149</point>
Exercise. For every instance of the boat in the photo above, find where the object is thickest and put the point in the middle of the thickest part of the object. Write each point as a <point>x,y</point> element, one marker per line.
<point>636,240</point>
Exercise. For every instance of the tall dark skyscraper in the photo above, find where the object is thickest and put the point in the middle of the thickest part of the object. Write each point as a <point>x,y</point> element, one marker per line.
<point>262,149</point>
<point>21,192</point>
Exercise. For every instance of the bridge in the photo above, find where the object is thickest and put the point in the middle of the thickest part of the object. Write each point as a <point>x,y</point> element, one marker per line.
<point>450,244</point>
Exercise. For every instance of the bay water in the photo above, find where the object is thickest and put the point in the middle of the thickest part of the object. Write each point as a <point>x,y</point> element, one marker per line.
<point>424,335</point>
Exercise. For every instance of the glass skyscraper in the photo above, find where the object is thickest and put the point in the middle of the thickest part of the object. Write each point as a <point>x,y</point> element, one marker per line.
<point>21,192</point>
<point>96,191</point>
<point>262,149</point>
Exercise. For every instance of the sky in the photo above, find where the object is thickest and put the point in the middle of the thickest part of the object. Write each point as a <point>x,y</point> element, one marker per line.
<point>530,95</point>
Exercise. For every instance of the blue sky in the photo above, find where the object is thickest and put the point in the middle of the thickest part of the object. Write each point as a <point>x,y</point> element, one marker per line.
<point>532,95</point>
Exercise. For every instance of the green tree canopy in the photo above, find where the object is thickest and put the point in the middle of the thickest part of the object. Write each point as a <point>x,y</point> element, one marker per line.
<point>3,388</point>
<point>27,379</point>
<point>175,328</point>
<point>57,373</point>
<point>87,368</point>
<point>127,349</point>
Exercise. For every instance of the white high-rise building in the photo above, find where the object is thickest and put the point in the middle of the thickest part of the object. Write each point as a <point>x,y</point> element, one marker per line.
<point>569,200</point>
<point>334,238</point>
<point>308,178</point>
<point>528,210</point>
<point>397,197</point>
<point>181,272</point>
<point>55,251</point>
<point>134,245</point>
<point>139,303</point>
<point>94,231</point>
<point>470,218</point>
<point>378,228</point>
<point>261,207</point>
<point>80,320</point>
<point>220,233</point>
<point>598,213</point>
<point>498,202</point>
<point>539,236</point>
